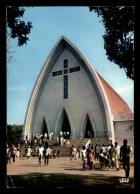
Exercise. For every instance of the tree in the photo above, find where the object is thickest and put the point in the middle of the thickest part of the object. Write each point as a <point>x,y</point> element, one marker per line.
<point>18,28</point>
<point>13,134</point>
<point>119,35</point>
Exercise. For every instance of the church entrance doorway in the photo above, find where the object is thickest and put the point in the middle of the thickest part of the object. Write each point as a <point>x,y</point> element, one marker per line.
<point>66,129</point>
<point>89,133</point>
<point>44,128</point>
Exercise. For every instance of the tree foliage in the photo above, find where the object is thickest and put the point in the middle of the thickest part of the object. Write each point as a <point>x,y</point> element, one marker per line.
<point>13,134</point>
<point>119,35</point>
<point>18,28</point>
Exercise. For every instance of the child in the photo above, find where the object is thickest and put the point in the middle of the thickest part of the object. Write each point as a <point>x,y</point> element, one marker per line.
<point>58,153</point>
<point>54,153</point>
<point>21,153</point>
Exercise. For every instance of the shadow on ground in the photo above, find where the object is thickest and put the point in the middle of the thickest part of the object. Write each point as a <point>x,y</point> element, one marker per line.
<point>40,180</point>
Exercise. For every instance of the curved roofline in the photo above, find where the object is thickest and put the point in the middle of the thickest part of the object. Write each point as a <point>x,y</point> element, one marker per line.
<point>29,112</point>
<point>117,104</point>
<point>60,45</point>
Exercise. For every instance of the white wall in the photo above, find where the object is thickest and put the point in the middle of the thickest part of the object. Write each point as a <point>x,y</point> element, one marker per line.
<point>124,129</point>
<point>82,98</point>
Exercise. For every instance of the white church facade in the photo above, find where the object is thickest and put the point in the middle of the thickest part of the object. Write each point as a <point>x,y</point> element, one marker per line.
<point>70,96</point>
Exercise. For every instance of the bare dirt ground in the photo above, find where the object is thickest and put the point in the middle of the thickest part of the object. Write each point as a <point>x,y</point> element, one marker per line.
<point>64,173</point>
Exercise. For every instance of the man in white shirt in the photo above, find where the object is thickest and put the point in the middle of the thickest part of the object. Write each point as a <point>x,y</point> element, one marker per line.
<point>48,151</point>
<point>41,149</point>
<point>84,155</point>
<point>117,154</point>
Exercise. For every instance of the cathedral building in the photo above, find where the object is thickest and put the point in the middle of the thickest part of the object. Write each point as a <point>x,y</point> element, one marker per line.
<point>71,96</point>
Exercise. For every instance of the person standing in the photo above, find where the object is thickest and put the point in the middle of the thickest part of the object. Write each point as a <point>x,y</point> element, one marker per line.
<point>48,151</point>
<point>131,154</point>
<point>45,135</point>
<point>91,160</point>
<point>44,152</point>
<point>52,134</point>
<point>14,154</point>
<point>101,158</point>
<point>8,155</point>
<point>17,153</point>
<point>96,152</point>
<point>79,151</point>
<point>61,139</point>
<point>106,160</point>
<point>72,152</point>
<point>21,153</point>
<point>41,149</point>
<point>89,147</point>
<point>68,142</point>
<point>112,156</point>
<point>60,133</point>
<point>43,141</point>
<point>75,152</point>
<point>84,156</point>
<point>25,143</point>
<point>28,152</point>
<point>117,155</point>
<point>125,156</point>
<point>57,140</point>
<point>67,134</point>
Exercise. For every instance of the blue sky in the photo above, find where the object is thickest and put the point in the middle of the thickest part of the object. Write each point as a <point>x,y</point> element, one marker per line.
<point>84,29</point>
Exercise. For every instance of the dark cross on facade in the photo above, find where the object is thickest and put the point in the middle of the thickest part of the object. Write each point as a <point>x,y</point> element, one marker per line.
<point>65,73</point>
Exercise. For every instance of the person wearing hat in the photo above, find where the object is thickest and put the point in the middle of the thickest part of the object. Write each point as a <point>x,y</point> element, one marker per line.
<point>125,157</point>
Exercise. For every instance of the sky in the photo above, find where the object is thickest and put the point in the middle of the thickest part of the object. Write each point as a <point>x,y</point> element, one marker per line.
<point>84,29</point>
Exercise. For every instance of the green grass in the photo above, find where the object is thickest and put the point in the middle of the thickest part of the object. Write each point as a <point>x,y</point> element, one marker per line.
<point>38,180</point>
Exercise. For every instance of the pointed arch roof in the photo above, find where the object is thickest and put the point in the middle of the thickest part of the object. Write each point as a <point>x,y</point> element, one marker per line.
<point>113,103</point>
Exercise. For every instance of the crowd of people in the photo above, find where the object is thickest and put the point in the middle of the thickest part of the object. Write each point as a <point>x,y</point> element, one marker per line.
<point>13,152</point>
<point>47,153</point>
<point>109,156</point>
<point>42,151</point>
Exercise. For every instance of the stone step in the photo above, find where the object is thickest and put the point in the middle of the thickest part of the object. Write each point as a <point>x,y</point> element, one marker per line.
<point>100,141</point>
<point>64,150</point>
<point>75,142</point>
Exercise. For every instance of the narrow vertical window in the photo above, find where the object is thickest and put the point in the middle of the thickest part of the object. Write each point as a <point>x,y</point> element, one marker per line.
<point>65,86</point>
<point>66,63</point>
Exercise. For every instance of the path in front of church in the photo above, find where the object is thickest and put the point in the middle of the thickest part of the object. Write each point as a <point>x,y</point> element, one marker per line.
<point>64,173</point>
